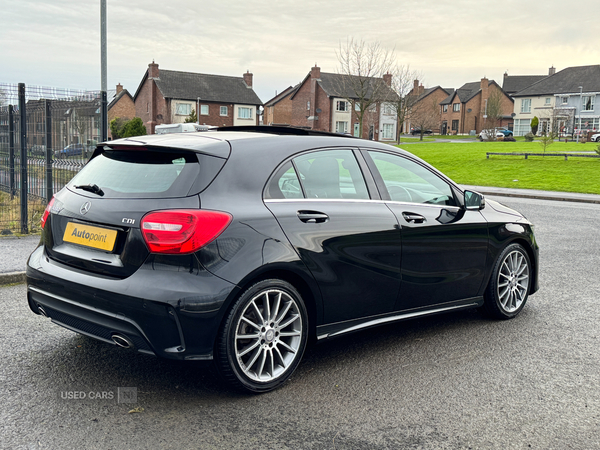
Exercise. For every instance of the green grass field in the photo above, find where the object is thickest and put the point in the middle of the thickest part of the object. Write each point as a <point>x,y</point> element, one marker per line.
<point>466,163</point>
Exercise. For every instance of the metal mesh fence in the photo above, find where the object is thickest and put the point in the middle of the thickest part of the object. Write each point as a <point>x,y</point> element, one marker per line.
<point>46,136</point>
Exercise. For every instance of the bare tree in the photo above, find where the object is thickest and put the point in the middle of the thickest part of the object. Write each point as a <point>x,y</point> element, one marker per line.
<point>79,124</point>
<point>363,66</point>
<point>493,113</point>
<point>425,115</point>
<point>402,85</point>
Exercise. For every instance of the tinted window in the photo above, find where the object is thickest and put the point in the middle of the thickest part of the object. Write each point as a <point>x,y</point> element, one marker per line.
<point>331,174</point>
<point>407,181</point>
<point>140,174</point>
<point>284,184</point>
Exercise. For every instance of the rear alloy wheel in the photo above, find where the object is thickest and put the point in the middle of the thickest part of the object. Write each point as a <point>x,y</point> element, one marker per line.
<point>264,336</point>
<point>508,289</point>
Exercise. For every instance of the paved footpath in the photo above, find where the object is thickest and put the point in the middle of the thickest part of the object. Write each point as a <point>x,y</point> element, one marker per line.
<point>14,251</point>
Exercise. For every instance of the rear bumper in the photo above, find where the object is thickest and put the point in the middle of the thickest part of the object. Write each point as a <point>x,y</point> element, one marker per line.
<point>163,309</point>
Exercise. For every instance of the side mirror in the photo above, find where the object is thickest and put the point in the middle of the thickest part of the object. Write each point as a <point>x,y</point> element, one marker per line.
<point>474,201</point>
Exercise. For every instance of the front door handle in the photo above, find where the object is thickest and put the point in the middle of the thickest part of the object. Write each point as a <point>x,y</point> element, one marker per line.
<point>412,217</point>
<point>312,217</point>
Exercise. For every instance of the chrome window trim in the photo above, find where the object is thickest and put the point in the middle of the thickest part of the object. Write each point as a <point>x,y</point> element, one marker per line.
<point>351,200</point>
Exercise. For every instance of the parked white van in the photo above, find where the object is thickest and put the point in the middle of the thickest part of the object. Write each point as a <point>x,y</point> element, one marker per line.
<point>180,128</point>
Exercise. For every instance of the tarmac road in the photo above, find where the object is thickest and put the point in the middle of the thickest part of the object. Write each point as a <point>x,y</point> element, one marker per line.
<point>454,381</point>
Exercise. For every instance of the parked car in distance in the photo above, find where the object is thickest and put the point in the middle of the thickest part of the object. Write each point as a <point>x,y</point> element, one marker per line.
<point>37,150</point>
<point>181,128</point>
<point>74,150</point>
<point>594,137</point>
<point>239,246</point>
<point>497,132</point>
<point>415,131</point>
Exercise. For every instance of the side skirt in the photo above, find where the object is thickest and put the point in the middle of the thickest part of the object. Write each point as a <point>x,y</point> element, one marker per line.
<point>350,326</point>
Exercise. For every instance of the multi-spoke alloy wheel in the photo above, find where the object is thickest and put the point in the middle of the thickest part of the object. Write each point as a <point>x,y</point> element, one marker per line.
<point>513,281</point>
<point>264,336</point>
<point>509,286</point>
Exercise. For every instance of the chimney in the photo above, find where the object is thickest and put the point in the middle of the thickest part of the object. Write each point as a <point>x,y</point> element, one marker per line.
<point>416,87</point>
<point>119,88</point>
<point>551,71</point>
<point>248,78</point>
<point>485,83</point>
<point>388,79</point>
<point>315,72</point>
<point>153,70</point>
<point>505,74</point>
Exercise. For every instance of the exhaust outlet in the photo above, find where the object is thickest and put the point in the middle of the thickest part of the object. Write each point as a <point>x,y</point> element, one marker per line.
<point>42,310</point>
<point>121,341</point>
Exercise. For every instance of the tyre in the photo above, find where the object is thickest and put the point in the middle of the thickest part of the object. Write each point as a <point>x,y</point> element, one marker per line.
<point>508,288</point>
<point>263,337</point>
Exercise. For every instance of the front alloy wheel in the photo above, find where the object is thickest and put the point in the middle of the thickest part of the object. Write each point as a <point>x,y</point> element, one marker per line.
<point>264,336</point>
<point>508,289</point>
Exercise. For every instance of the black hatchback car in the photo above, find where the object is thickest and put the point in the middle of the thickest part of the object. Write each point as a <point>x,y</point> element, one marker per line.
<point>239,245</point>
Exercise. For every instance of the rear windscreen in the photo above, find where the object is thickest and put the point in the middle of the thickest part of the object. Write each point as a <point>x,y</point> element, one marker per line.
<point>139,174</point>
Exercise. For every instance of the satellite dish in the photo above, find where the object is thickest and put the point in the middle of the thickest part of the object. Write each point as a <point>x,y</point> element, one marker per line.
<point>469,110</point>
<point>513,114</point>
<point>318,110</point>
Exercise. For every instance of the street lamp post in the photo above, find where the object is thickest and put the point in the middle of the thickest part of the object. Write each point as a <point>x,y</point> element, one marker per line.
<point>580,98</point>
<point>103,90</point>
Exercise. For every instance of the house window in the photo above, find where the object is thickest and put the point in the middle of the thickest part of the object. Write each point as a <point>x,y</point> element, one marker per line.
<point>223,111</point>
<point>587,103</point>
<point>244,113</point>
<point>564,100</point>
<point>456,108</point>
<point>341,127</point>
<point>589,124</point>
<point>522,127</point>
<point>204,110</point>
<point>548,101</point>
<point>526,105</point>
<point>341,105</point>
<point>387,110</point>
<point>308,105</point>
<point>455,125</point>
<point>388,131</point>
<point>183,109</point>
<point>445,108</point>
<point>356,106</point>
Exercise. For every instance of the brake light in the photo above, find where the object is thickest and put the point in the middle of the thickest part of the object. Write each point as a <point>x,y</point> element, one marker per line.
<point>47,212</point>
<point>180,231</point>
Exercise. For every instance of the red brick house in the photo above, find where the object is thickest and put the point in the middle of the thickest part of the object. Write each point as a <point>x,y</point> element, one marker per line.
<point>278,110</point>
<point>426,99</point>
<point>464,110</point>
<point>321,102</point>
<point>121,105</point>
<point>168,96</point>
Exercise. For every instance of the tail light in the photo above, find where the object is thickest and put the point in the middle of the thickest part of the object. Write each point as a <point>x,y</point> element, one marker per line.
<point>47,212</point>
<point>180,231</point>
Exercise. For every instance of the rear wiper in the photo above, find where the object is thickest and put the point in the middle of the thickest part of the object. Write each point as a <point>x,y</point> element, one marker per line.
<point>91,188</point>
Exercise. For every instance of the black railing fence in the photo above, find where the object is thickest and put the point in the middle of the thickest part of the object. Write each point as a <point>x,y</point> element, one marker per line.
<point>46,137</point>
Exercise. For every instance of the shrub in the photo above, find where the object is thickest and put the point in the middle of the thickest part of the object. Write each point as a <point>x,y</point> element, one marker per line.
<point>529,137</point>
<point>534,124</point>
<point>135,127</point>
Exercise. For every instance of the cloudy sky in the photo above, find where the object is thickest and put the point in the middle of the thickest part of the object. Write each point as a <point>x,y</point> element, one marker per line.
<point>57,42</point>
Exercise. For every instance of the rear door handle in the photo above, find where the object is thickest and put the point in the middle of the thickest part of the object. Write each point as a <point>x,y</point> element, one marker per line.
<point>412,217</point>
<point>312,217</point>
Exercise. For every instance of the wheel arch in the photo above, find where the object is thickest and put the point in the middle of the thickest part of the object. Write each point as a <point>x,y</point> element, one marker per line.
<point>532,259</point>
<point>306,288</point>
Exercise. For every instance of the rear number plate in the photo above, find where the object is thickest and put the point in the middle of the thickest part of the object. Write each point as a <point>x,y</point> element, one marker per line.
<point>95,237</point>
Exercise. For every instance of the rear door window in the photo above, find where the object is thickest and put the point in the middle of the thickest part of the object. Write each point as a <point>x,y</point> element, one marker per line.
<point>331,174</point>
